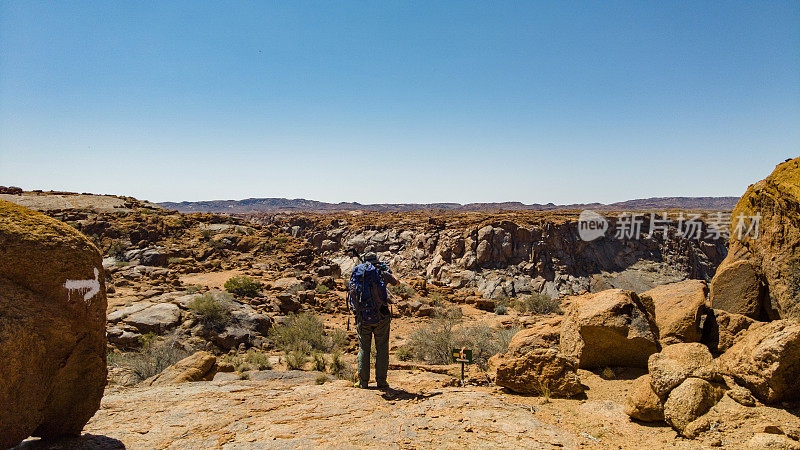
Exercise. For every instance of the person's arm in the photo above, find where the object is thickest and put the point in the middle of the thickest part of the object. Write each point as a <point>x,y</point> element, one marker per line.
<point>390,279</point>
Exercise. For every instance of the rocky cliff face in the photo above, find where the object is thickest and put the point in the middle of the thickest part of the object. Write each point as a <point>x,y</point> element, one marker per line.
<point>760,278</point>
<point>508,254</point>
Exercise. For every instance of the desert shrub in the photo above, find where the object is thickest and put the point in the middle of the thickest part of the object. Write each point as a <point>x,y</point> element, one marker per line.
<point>154,356</point>
<point>322,289</point>
<point>503,337</point>
<point>304,330</point>
<point>404,353</point>
<point>321,379</point>
<point>319,362</point>
<point>296,359</point>
<point>339,368</point>
<point>402,290</point>
<point>257,360</point>
<point>484,341</point>
<point>434,342</point>
<point>207,234</point>
<point>236,360</point>
<point>452,313</point>
<point>537,304</point>
<point>436,299</point>
<point>339,338</point>
<point>501,310</point>
<point>214,311</point>
<point>193,288</point>
<point>117,250</point>
<point>243,286</point>
<point>174,260</point>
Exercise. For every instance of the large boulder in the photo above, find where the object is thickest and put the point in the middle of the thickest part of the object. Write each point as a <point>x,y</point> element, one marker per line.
<point>642,403</point>
<point>689,401</point>
<point>723,329</point>
<point>675,363</point>
<point>52,327</point>
<point>156,318</point>
<point>766,360</point>
<point>772,256</point>
<point>533,363</point>
<point>609,328</point>
<point>200,366</point>
<point>739,288</point>
<point>679,310</point>
<point>541,370</point>
<point>543,333</point>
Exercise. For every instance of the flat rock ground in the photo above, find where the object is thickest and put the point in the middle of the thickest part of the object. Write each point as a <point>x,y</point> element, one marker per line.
<point>288,409</point>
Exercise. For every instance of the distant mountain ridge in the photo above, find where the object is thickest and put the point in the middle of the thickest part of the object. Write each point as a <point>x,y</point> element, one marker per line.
<point>285,205</point>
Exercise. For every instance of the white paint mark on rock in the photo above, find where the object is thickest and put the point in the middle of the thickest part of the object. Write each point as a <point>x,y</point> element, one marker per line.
<point>89,288</point>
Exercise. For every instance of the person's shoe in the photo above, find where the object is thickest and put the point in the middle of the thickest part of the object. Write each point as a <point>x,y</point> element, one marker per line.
<point>384,387</point>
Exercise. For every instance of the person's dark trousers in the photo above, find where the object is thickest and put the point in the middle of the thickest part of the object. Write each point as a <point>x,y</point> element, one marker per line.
<point>381,332</point>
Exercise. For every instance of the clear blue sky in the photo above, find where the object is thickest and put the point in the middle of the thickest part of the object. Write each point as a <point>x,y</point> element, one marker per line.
<point>398,101</point>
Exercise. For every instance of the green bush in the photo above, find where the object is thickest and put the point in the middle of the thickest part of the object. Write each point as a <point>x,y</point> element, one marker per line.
<point>301,331</point>
<point>211,310</point>
<point>436,299</point>
<point>434,342</point>
<point>296,359</point>
<point>257,360</point>
<point>243,286</point>
<point>484,341</point>
<point>339,368</point>
<point>322,289</point>
<point>117,250</point>
<point>537,304</point>
<point>319,362</point>
<point>154,356</point>
<point>339,338</point>
<point>501,310</point>
<point>402,290</point>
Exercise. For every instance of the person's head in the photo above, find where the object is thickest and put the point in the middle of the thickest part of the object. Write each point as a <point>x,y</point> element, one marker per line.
<point>371,258</point>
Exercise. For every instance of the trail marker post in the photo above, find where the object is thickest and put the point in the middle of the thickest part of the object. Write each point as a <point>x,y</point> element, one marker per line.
<point>462,355</point>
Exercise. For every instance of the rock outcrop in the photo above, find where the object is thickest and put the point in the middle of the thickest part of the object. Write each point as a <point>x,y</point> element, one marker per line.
<point>760,277</point>
<point>682,385</point>
<point>675,363</point>
<point>533,364</point>
<point>52,326</point>
<point>538,371</point>
<point>766,360</point>
<point>200,366</point>
<point>609,328</point>
<point>723,329</point>
<point>679,310</point>
<point>510,254</point>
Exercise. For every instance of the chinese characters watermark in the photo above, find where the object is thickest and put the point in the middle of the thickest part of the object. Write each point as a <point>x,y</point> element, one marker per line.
<point>593,225</point>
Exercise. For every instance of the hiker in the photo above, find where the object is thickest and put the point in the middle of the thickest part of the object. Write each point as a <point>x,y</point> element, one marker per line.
<point>368,300</point>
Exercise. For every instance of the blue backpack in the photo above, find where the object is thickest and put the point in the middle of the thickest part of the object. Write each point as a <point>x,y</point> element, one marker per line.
<point>367,294</point>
